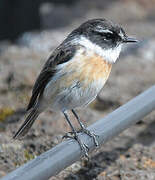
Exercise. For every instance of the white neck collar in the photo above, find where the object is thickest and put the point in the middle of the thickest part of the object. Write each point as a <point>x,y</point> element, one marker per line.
<point>110,55</point>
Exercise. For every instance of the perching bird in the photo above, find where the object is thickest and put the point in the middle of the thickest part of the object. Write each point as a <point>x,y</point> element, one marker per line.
<point>75,73</point>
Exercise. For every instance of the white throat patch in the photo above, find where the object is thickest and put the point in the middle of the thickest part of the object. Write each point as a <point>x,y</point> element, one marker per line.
<point>110,55</point>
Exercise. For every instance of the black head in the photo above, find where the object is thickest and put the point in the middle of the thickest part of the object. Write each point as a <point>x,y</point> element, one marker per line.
<point>103,33</point>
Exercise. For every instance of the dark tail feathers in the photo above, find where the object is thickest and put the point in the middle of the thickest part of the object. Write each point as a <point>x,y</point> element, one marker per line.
<point>27,124</point>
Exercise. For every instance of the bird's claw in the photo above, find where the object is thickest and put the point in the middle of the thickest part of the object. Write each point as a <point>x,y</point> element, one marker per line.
<point>68,135</point>
<point>83,146</point>
<point>91,134</point>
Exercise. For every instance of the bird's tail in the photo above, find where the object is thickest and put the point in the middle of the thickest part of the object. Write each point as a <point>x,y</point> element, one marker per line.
<point>33,114</point>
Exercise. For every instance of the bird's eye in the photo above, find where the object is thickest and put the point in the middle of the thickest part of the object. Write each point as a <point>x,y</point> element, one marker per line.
<point>109,35</point>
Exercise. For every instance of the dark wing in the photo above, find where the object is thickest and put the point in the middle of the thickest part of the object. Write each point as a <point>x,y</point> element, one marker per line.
<point>61,55</point>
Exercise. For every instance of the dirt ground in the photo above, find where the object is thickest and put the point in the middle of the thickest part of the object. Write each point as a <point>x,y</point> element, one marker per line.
<point>129,156</point>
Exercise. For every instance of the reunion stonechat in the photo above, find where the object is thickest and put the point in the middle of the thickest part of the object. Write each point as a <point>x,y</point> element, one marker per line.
<point>75,73</point>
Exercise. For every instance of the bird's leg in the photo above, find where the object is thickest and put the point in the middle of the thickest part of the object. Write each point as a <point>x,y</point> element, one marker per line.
<point>85,130</point>
<point>75,136</point>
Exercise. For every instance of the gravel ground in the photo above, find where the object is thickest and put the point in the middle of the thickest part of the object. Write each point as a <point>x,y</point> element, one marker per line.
<point>131,155</point>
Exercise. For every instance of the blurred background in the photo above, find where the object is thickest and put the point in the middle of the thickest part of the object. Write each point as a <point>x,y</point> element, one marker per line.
<point>29,30</point>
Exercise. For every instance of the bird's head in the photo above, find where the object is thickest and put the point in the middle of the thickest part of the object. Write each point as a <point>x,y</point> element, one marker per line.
<point>102,36</point>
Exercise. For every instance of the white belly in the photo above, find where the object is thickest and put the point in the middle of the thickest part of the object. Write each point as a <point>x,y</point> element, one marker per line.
<point>72,97</point>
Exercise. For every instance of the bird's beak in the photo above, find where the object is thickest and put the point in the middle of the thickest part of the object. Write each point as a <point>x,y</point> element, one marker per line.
<point>130,40</point>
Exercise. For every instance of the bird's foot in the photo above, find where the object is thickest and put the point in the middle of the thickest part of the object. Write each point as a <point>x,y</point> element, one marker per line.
<point>68,135</point>
<point>91,134</point>
<point>83,146</point>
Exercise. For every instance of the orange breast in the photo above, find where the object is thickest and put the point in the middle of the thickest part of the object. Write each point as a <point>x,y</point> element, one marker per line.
<point>94,68</point>
<point>88,68</point>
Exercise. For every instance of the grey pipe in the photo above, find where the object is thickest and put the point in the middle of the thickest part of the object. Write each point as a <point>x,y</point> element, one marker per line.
<point>61,156</point>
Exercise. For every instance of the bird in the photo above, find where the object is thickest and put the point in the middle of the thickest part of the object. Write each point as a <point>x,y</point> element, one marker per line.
<point>75,73</point>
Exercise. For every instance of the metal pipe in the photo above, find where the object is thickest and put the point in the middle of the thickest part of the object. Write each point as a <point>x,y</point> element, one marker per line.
<point>56,159</point>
